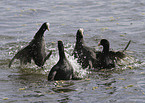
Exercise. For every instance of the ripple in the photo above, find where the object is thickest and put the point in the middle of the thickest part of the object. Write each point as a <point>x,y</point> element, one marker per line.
<point>116,20</point>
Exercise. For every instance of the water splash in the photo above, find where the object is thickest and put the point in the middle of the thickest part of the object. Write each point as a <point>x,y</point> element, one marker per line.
<point>129,62</point>
<point>54,59</point>
<point>77,67</point>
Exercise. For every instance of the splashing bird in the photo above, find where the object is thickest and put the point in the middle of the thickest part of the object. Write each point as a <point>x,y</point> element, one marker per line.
<point>107,58</point>
<point>35,50</point>
<point>86,55</point>
<point>63,70</point>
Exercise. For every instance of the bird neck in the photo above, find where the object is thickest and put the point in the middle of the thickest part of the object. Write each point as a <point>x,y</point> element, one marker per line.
<point>80,41</point>
<point>61,54</point>
<point>40,33</point>
<point>106,49</point>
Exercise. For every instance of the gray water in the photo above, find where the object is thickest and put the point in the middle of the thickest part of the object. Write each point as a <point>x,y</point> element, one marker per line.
<point>116,20</point>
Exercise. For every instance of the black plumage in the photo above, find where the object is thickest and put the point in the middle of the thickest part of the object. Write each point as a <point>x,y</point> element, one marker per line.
<point>35,50</point>
<point>107,58</point>
<point>86,55</point>
<point>63,70</point>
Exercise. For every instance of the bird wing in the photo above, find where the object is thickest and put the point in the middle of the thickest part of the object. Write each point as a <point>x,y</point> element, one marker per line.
<point>47,57</point>
<point>23,55</point>
<point>127,45</point>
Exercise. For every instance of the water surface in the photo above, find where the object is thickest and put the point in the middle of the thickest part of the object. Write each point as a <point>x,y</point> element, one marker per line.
<point>116,20</point>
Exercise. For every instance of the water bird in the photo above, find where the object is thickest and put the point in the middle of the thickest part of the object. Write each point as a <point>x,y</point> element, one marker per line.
<point>35,50</point>
<point>107,58</point>
<point>86,55</point>
<point>63,70</point>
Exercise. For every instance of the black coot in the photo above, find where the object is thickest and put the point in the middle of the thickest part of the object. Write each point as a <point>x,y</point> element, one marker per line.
<point>107,58</point>
<point>35,50</point>
<point>63,70</point>
<point>86,55</point>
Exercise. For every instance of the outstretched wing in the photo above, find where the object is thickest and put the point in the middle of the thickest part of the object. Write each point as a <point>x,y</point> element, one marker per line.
<point>23,55</point>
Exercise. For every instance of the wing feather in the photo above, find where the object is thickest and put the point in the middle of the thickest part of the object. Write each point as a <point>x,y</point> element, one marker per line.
<point>23,55</point>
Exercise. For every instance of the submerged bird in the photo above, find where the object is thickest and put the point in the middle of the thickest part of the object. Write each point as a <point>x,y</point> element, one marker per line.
<point>35,50</point>
<point>86,55</point>
<point>63,70</point>
<point>107,58</point>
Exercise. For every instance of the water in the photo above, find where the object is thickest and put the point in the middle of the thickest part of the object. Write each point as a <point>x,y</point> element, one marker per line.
<point>116,20</point>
